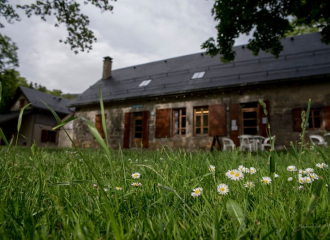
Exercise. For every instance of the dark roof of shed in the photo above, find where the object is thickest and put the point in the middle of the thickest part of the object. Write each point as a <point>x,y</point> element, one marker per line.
<point>58,104</point>
<point>303,56</point>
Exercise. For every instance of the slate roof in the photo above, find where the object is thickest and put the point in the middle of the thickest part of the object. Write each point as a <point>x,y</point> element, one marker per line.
<point>303,56</point>
<point>59,104</point>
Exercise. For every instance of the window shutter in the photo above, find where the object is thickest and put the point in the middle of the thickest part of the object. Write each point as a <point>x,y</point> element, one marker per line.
<point>163,123</point>
<point>327,118</point>
<point>145,135</point>
<point>217,120</point>
<point>127,128</point>
<point>98,125</point>
<point>263,126</point>
<point>234,116</point>
<point>296,119</point>
<point>44,134</point>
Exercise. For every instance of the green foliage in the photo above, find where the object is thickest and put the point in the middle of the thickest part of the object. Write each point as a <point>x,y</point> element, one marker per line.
<point>268,21</point>
<point>66,12</point>
<point>8,55</point>
<point>50,193</point>
<point>10,80</point>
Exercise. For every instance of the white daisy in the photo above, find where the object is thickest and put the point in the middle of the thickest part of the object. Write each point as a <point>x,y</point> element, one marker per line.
<point>309,170</point>
<point>249,185</point>
<point>230,173</point>
<point>136,184</point>
<point>105,189</point>
<point>212,168</point>
<point>253,170</point>
<point>313,176</point>
<point>301,180</point>
<point>292,169</point>
<point>241,168</point>
<point>276,175</point>
<point>237,175</point>
<point>119,188</point>
<point>222,189</point>
<point>322,165</point>
<point>290,179</point>
<point>300,187</point>
<point>197,192</point>
<point>246,170</point>
<point>95,185</point>
<point>266,180</point>
<point>308,180</point>
<point>136,175</point>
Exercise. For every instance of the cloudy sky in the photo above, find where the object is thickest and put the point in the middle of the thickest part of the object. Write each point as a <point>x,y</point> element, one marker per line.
<point>137,32</point>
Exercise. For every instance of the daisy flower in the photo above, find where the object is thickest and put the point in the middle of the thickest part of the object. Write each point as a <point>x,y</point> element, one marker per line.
<point>322,165</point>
<point>105,189</point>
<point>266,180</point>
<point>253,170</point>
<point>308,180</point>
<point>246,170</point>
<point>301,180</point>
<point>222,189</point>
<point>197,192</point>
<point>276,175</point>
<point>290,179</point>
<point>95,185</point>
<point>136,184</point>
<point>249,185</point>
<point>292,169</point>
<point>119,188</point>
<point>241,168</point>
<point>313,176</point>
<point>136,175</point>
<point>237,175</point>
<point>300,187</point>
<point>230,173</point>
<point>212,168</point>
<point>309,170</point>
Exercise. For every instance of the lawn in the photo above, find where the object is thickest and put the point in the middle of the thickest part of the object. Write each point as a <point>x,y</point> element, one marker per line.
<point>64,194</point>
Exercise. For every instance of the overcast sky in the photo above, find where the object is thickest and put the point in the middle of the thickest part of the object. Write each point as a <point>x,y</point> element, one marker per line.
<point>137,32</point>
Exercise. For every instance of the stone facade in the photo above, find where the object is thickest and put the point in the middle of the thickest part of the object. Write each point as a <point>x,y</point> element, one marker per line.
<point>282,97</point>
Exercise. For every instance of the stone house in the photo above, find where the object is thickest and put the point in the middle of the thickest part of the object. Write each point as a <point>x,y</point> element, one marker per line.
<point>184,101</point>
<point>37,121</point>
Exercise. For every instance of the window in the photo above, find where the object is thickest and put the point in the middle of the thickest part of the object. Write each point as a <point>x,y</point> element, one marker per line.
<point>98,124</point>
<point>201,121</point>
<point>179,122</point>
<point>145,83</point>
<point>21,103</point>
<point>315,119</point>
<point>198,75</point>
<point>250,115</point>
<point>48,136</point>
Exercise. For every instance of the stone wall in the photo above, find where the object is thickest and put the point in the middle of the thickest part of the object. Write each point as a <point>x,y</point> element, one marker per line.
<point>283,97</point>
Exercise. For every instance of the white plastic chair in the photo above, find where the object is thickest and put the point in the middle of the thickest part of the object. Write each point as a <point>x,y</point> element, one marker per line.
<point>318,140</point>
<point>227,143</point>
<point>245,142</point>
<point>266,143</point>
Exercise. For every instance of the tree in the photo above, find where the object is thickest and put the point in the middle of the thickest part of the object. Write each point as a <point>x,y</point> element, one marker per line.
<point>8,55</point>
<point>10,80</point>
<point>66,12</point>
<point>269,20</point>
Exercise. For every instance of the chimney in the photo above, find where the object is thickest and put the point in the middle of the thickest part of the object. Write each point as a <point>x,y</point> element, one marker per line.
<point>107,66</point>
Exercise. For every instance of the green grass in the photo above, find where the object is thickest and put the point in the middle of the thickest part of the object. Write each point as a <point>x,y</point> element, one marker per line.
<point>50,194</point>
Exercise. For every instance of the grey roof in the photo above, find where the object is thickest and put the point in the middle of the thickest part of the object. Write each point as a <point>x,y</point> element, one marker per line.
<point>11,116</point>
<point>303,56</point>
<point>59,104</point>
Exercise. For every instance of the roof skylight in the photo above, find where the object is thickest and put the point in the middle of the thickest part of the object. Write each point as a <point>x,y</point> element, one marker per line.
<point>198,75</point>
<point>145,83</point>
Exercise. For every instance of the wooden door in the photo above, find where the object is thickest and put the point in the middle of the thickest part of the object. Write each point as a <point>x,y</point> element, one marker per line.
<point>250,123</point>
<point>138,129</point>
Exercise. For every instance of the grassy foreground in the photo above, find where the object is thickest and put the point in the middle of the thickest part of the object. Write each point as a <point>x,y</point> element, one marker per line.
<point>51,193</point>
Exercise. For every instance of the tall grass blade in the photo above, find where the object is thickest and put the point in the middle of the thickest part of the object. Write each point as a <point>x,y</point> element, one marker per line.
<point>104,126</point>
<point>97,135</point>
<point>235,211</point>
<point>65,122</point>
<point>3,137</point>
<point>19,123</point>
